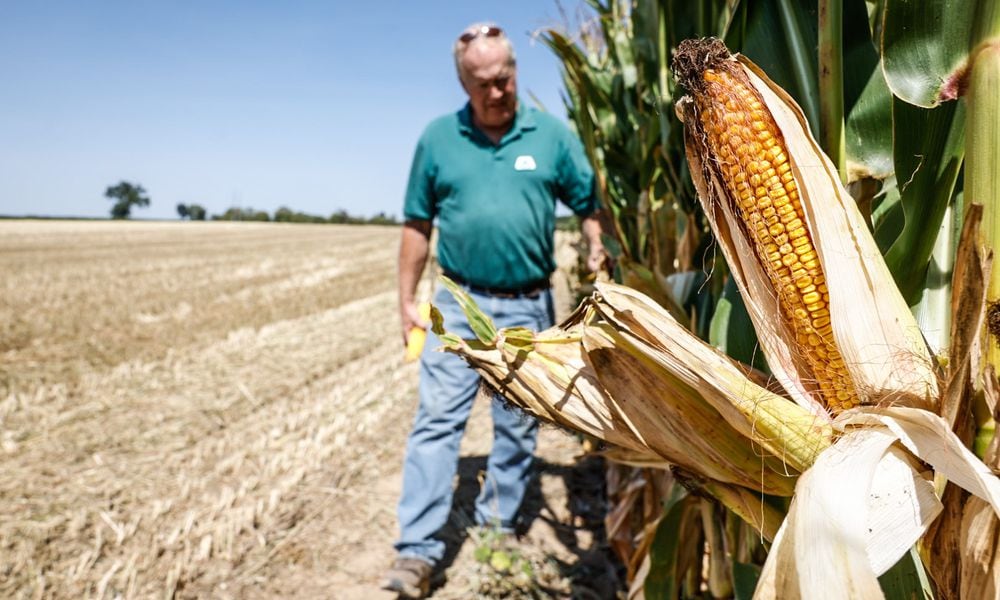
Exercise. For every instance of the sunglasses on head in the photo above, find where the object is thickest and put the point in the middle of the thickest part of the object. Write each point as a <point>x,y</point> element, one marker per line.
<point>485,31</point>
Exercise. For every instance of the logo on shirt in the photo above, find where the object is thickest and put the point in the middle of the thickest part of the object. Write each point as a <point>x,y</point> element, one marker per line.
<point>525,162</point>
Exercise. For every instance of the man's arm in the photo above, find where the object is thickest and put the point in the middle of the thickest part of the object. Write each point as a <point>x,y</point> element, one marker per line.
<point>414,248</point>
<point>591,227</point>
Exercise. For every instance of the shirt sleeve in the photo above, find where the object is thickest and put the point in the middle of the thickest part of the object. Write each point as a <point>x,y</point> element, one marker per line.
<point>420,203</point>
<point>576,178</point>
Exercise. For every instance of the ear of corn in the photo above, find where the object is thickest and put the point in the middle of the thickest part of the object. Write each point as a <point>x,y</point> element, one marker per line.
<point>623,370</point>
<point>829,317</point>
<point>674,419</point>
<point>753,159</point>
<point>418,337</point>
<point>737,394</point>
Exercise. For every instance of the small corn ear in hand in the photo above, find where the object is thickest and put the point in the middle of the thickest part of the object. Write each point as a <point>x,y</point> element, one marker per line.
<point>417,337</point>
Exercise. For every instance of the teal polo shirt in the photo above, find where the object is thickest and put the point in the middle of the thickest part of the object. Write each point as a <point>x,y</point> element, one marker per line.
<point>495,203</point>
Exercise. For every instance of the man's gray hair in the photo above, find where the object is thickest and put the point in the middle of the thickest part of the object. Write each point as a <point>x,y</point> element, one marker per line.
<point>478,29</point>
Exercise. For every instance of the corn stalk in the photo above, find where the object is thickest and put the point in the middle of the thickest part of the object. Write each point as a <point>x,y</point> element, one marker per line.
<point>624,370</point>
<point>904,148</point>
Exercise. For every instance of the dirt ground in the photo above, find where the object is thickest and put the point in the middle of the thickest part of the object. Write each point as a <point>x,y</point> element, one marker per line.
<point>219,410</point>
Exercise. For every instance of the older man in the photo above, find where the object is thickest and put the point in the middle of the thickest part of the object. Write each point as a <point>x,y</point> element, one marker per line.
<point>490,174</point>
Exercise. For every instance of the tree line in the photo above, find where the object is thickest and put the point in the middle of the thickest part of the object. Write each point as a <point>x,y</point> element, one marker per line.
<point>127,196</point>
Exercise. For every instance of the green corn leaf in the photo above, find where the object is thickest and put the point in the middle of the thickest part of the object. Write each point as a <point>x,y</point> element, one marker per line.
<point>745,578</point>
<point>929,150</point>
<point>923,45</point>
<point>663,581</point>
<point>907,580</point>
<point>869,131</point>
<point>481,325</point>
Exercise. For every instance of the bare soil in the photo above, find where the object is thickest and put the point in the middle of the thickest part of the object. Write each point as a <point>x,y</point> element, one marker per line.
<point>220,409</point>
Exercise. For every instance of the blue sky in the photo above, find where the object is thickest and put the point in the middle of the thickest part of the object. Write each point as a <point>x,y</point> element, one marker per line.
<point>312,105</point>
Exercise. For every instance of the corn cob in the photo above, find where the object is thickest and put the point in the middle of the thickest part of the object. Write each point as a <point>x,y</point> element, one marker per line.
<point>417,337</point>
<point>743,144</point>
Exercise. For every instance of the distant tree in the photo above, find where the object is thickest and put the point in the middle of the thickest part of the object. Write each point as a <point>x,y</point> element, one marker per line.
<point>383,219</point>
<point>232,214</point>
<point>126,195</point>
<point>242,214</point>
<point>287,215</point>
<point>196,212</point>
<point>284,215</point>
<point>340,217</point>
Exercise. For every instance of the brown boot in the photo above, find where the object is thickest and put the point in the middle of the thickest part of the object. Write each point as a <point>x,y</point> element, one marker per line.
<point>410,577</point>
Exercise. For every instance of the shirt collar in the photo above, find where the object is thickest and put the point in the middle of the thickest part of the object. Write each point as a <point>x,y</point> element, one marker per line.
<point>524,120</point>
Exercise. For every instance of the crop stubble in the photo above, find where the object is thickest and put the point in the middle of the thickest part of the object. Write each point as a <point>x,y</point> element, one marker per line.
<point>215,410</point>
<point>175,397</point>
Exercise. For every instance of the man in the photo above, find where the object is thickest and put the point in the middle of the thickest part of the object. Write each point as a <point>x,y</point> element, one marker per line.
<point>490,174</point>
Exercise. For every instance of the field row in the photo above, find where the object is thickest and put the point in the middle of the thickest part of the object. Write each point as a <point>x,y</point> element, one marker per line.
<point>177,395</point>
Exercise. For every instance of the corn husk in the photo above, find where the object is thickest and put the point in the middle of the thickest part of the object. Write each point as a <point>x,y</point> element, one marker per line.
<point>623,370</point>
<point>417,336</point>
<point>734,390</point>
<point>881,345</point>
<point>865,502</point>
<point>637,379</point>
<point>980,565</point>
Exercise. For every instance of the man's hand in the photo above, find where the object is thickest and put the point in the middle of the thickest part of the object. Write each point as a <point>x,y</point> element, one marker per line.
<point>596,258</point>
<point>409,316</point>
<point>413,249</point>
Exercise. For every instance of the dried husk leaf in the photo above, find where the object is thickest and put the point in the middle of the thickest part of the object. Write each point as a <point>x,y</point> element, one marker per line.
<point>623,370</point>
<point>674,420</point>
<point>929,437</point>
<point>980,556</point>
<point>555,384</point>
<point>819,553</point>
<point>864,503</point>
<point>968,301</point>
<point>881,345</point>
<point>901,504</point>
<point>768,419</point>
<point>854,514</point>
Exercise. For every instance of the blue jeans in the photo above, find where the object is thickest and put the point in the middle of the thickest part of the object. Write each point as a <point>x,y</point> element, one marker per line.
<point>447,389</point>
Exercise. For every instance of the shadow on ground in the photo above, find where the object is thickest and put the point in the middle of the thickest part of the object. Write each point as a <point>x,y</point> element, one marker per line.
<point>562,529</point>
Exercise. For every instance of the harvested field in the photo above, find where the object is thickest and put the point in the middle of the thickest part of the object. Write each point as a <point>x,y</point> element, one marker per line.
<point>220,410</point>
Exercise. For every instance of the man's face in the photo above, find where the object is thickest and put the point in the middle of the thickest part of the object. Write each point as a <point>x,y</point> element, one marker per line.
<point>491,82</point>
